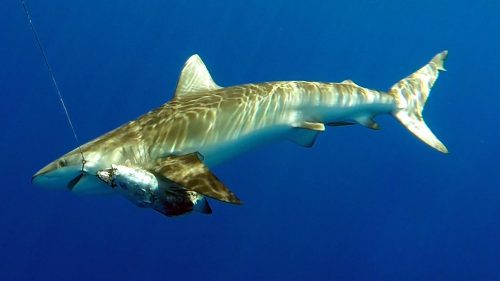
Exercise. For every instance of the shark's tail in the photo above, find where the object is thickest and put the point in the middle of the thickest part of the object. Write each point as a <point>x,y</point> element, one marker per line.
<point>411,93</point>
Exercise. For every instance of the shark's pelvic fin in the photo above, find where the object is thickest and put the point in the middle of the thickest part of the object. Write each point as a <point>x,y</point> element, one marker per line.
<point>194,78</point>
<point>306,133</point>
<point>314,126</point>
<point>411,93</point>
<point>191,173</point>
<point>303,137</point>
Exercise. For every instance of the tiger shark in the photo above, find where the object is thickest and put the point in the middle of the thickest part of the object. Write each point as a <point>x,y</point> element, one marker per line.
<point>162,159</point>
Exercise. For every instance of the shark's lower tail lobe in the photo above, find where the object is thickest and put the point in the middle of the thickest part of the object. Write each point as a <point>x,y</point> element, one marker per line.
<point>411,93</point>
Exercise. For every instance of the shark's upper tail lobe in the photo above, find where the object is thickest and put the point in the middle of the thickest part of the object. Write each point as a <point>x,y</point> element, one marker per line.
<point>411,93</point>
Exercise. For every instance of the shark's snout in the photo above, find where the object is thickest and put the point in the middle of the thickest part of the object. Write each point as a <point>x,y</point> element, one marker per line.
<point>57,175</point>
<point>70,173</point>
<point>65,172</point>
<point>43,171</point>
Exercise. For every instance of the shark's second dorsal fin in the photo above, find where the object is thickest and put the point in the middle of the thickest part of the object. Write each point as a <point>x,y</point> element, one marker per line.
<point>194,78</point>
<point>349,82</point>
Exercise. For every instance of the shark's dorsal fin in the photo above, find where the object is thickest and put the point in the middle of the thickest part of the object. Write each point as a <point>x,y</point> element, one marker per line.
<point>194,78</point>
<point>189,172</point>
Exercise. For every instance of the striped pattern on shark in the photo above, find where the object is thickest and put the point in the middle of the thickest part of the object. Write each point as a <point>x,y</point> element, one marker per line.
<point>205,125</point>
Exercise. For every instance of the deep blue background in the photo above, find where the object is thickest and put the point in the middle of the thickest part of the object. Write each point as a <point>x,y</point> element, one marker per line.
<point>359,205</point>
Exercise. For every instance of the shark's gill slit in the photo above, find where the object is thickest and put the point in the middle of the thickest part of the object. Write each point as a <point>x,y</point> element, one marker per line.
<point>49,69</point>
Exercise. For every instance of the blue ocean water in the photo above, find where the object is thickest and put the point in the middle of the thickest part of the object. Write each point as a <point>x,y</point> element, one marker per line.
<point>359,205</point>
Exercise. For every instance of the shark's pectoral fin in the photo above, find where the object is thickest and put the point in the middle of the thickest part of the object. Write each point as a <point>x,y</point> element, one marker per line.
<point>191,173</point>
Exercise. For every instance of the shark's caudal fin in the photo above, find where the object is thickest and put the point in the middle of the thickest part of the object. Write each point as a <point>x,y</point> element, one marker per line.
<point>411,93</point>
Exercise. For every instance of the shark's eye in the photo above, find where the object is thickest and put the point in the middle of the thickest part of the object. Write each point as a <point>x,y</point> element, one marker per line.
<point>61,163</point>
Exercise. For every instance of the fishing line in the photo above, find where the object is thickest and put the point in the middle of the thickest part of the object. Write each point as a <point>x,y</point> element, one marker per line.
<point>28,15</point>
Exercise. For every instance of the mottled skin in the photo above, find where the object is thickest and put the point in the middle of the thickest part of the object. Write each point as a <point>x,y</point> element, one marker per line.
<point>220,123</point>
<point>209,122</point>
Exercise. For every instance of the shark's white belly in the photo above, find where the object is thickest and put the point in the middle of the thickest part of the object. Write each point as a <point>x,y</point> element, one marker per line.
<point>218,152</point>
<point>235,143</point>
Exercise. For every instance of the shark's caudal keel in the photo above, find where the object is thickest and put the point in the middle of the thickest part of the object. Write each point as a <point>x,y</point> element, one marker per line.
<point>161,160</point>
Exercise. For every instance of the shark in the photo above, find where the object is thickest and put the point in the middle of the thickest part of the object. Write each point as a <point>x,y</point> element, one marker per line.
<point>162,159</point>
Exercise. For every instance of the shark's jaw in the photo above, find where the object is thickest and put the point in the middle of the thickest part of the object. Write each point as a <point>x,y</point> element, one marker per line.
<point>54,177</point>
<point>69,172</point>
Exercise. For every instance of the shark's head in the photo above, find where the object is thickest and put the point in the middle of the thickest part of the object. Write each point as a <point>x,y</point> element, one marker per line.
<point>72,172</point>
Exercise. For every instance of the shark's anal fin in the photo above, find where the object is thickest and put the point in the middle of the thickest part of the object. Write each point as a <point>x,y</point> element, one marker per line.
<point>368,122</point>
<point>191,173</point>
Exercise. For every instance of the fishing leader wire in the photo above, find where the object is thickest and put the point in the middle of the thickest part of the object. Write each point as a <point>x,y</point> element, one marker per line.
<point>54,82</point>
